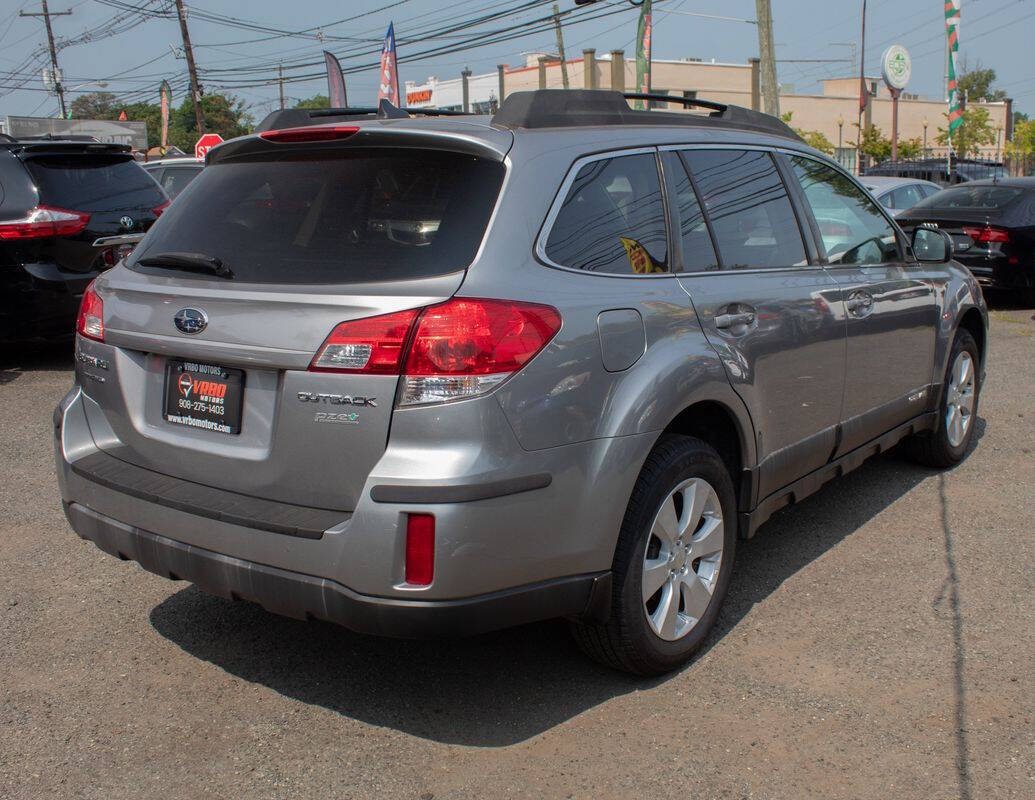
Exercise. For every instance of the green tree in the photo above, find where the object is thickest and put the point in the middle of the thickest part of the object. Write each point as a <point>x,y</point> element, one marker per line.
<point>316,101</point>
<point>974,132</point>
<point>814,139</point>
<point>875,144</point>
<point>976,85</point>
<point>224,114</point>
<point>1023,142</point>
<point>911,148</point>
<point>95,105</point>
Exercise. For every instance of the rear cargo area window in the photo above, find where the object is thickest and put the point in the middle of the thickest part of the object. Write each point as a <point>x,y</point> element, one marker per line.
<point>91,182</point>
<point>366,215</point>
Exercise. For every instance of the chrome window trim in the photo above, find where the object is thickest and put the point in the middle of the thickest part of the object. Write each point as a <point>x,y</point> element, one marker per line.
<point>562,194</point>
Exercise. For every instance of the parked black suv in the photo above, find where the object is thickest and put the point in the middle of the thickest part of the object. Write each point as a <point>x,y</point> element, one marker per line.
<point>56,198</point>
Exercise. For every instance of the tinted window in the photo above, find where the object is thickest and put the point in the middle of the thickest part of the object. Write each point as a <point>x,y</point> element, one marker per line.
<point>748,207</point>
<point>93,183</point>
<point>965,196</point>
<point>926,190</point>
<point>907,196</point>
<point>851,226</point>
<point>613,219</point>
<point>364,215</point>
<point>176,179</point>
<point>698,253</point>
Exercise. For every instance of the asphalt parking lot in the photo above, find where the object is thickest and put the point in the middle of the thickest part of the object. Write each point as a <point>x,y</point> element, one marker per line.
<point>878,642</point>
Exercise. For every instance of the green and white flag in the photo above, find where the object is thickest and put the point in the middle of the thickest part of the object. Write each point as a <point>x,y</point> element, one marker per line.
<point>643,31</point>
<point>952,30</point>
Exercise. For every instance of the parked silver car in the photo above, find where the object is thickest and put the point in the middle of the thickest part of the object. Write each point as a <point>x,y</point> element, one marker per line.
<point>427,376</point>
<point>898,194</point>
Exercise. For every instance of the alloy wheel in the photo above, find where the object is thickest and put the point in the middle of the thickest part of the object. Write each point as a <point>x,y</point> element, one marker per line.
<point>959,401</point>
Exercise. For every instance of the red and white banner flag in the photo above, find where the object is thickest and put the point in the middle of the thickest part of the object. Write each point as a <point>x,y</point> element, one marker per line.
<point>388,80</point>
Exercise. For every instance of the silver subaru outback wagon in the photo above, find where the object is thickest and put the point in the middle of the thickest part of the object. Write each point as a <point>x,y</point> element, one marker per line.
<point>435,375</point>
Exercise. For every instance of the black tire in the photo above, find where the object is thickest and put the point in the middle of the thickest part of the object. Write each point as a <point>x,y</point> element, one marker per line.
<point>934,449</point>
<point>627,642</point>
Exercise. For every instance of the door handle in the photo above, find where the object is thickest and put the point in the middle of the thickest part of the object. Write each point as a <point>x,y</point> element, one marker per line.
<point>732,320</point>
<point>859,303</point>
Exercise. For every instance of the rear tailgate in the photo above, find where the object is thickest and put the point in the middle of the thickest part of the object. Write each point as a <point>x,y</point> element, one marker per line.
<point>111,188</point>
<point>313,240</point>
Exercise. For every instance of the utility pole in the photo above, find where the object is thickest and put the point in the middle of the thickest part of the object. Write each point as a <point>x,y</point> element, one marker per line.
<point>280,80</point>
<point>766,52</point>
<point>560,44</point>
<point>195,89</point>
<point>863,93</point>
<point>53,51</point>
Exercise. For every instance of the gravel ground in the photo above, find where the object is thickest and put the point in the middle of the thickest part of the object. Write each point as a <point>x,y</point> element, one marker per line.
<point>877,642</point>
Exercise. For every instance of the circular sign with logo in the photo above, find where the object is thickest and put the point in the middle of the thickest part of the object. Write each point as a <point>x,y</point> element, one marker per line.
<point>896,67</point>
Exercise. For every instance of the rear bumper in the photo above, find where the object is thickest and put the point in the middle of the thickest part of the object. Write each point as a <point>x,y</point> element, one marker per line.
<point>40,301</point>
<point>303,596</point>
<point>999,273</point>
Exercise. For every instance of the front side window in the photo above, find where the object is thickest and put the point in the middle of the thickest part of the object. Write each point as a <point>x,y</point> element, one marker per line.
<point>852,228</point>
<point>612,219</point>
<point>907,196</point>
<point>747,204</point>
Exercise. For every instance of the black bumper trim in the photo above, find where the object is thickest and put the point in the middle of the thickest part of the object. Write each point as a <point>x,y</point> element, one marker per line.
<point>301,596</point>
<point>205,501</point>
<point>463,493</point>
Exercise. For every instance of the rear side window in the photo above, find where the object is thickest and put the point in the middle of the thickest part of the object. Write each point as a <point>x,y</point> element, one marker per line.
<point>853,230</point>
<point>93,183</point>
<point>357,216</point>
<point>748,206</point>
<point>612,219</point>
<point>906,196</point>
<point>698,253</point>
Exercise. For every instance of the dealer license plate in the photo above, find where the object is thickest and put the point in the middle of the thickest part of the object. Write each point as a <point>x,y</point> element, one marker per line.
<point>204,396</point>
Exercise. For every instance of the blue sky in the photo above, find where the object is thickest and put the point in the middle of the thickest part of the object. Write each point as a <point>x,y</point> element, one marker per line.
<point>135,58</point>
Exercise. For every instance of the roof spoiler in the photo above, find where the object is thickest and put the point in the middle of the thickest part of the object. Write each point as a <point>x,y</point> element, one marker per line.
<point>567,108</point>
<point>303,117</point>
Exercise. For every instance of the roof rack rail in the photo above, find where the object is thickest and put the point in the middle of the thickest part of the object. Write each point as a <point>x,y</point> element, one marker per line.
<point>567,108</point>
<point>303,117</point>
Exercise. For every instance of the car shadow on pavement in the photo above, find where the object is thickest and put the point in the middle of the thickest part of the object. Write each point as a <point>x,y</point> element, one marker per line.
<point>500,688</point>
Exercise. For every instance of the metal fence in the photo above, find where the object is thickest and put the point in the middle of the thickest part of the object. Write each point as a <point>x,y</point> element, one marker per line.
<point>945,170</point>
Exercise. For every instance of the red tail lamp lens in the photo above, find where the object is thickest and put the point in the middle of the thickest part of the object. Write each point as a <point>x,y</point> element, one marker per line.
<point>988,235</point>
<point>420,549</point>
<point>160,208</point>
<point>372,345</point>
<point>90,322</point>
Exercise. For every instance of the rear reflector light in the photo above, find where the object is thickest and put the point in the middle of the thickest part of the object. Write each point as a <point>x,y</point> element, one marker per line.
<point>373,345</point>
<point>44,221</point>
<point>90,322</point>
<point>987,234</point>
<point>323,134</point>
<point>457,349</point>
<point>159,209</point>
<point>420,549</point>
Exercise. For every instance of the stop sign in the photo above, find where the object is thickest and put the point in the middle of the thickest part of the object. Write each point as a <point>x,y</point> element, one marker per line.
<point>206,143</point>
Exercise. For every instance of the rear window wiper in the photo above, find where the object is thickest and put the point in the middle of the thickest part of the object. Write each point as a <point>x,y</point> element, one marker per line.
<point>191,262</point>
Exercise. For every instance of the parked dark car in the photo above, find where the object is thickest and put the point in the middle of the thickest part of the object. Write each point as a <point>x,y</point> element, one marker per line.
<point>56,198</point>
<point>992,225</point>
<point>173,174</point>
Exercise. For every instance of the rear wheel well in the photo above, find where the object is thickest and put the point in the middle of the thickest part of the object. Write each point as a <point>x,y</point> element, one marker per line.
<point>974,324</point>
<point>714,424</point>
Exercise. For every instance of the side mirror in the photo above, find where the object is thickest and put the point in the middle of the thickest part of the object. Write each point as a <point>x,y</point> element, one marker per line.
<point>932,245</point>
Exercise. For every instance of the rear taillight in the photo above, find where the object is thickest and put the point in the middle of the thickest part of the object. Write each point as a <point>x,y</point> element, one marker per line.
<point>420,549</point>
<point>160,208</point>
<point>465,347</point>
<point>461,348</point>
<point>44,221</point>
<point>373,345</point>
<point>90,322</point>
<point>988,234</point>
<point>321,134</point>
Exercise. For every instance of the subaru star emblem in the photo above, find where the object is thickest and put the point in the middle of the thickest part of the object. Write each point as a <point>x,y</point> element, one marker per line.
<point>126,223</point>
<point>190,320</point>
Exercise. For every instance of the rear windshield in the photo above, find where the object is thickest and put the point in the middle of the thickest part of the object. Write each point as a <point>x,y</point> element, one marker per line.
<point>365,215</point>
<point>972,197</point>
<point>93,183</point>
